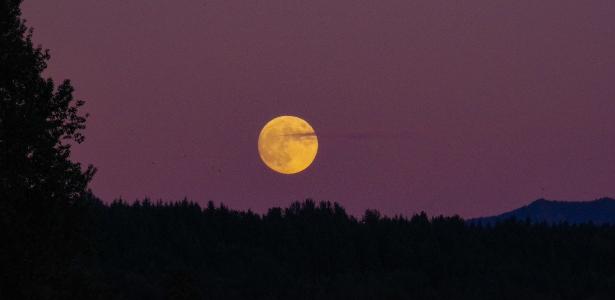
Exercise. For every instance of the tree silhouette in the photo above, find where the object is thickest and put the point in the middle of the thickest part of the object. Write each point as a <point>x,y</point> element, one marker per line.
<point>38,121</point>
<point>38,182</point>
<point>313,250</point>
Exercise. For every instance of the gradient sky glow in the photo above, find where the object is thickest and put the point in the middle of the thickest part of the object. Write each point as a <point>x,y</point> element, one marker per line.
<point>470,108</point>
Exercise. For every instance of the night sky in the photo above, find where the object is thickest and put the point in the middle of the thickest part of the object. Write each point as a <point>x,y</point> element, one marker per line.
<point>469,108</point>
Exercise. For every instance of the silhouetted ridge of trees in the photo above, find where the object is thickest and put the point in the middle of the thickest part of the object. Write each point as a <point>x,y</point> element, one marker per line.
<point>313,250</point>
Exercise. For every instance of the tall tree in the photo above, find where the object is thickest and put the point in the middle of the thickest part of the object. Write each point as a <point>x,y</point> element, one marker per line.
<point>39,226</point>
<point>38,122</point>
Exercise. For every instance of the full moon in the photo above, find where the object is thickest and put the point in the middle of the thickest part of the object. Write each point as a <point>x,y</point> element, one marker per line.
<point>287,144</point>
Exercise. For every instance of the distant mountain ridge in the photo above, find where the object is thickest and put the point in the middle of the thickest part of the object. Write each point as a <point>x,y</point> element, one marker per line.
<point>599,211</point>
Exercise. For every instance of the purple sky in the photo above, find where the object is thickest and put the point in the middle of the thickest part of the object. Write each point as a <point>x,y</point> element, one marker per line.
<point>451,108</point>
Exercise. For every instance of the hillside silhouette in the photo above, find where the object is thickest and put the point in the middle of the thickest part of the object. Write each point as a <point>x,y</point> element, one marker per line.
<point>600,211</point>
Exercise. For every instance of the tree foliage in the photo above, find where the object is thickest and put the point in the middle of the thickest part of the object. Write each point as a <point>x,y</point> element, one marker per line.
<point>312,250</point>
<point>38,122</point>
<point>40,186</point>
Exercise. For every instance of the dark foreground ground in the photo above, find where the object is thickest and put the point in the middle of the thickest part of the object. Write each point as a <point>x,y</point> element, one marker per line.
<point>306,251</point>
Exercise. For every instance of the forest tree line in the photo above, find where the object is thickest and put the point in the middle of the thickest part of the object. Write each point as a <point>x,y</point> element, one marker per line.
<point>311,250</point>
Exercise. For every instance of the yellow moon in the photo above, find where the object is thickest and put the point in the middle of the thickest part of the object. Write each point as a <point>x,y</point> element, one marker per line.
<point>287,144</point>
